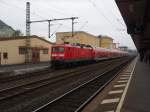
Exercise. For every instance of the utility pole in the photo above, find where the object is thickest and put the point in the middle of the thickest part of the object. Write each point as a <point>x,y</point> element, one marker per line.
<point>49,25</point>
<point>27,55</point>
<point>28,19</point>
<point>73,18</point>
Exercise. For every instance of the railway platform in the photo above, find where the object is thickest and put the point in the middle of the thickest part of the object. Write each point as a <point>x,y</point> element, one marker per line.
<point>138,95</point>
<point>23,68</point>
<point>128,92</point>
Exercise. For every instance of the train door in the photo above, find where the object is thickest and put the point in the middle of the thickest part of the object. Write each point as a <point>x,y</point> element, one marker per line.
<point>35,55</point>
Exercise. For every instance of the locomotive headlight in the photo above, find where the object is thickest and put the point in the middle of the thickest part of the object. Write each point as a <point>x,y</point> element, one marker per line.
<point>54,54</point>
<point>61,55</point>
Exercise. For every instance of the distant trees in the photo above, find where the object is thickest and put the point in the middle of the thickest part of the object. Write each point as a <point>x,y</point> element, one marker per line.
<point>8,31</point>
<point>17,33</point>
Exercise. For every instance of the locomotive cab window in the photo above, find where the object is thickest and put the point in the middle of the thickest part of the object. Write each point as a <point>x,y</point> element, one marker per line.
<point>57,49</point>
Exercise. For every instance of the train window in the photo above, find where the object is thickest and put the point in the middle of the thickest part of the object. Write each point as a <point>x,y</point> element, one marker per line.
<point>57,49</point>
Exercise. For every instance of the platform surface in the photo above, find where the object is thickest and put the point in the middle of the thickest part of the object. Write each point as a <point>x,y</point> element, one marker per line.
<point>24,66</point>
<point>138,95</point>
<point>128,92</point>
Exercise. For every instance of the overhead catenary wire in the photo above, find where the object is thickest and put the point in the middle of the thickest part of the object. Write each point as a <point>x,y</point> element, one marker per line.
<point>57,11</point>
<point>111,12</point>
<point>84,24</point>
<point>56,30</point>
<point>20,8</point>
<point>106,18</point>
<point>101,13</point>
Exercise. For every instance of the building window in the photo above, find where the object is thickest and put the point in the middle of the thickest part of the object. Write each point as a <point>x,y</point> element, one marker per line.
<point>5,55</point>
<point>45,51</point>
<point>22,50</point>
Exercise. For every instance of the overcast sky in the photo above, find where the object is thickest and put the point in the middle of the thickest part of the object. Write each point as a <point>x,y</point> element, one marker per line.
<point>98,17</point>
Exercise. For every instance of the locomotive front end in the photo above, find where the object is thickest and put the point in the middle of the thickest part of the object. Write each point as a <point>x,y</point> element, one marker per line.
<point>57,56</point>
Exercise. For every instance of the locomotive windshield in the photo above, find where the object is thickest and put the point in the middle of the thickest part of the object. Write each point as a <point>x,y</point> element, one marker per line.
<point>57,49</point>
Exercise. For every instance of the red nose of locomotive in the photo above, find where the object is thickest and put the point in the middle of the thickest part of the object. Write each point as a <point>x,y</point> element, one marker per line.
<point>57,53</point>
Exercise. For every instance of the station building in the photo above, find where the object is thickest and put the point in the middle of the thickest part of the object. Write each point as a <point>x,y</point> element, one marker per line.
<point>14,49</point>
<point>106,42</point>
<point>84,38</point>
<point>80,37</point>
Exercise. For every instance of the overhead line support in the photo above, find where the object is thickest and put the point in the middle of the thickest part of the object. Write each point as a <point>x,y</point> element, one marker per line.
<point>50,20</point>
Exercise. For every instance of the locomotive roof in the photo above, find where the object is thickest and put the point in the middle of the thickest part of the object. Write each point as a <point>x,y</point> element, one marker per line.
<point>71,45</point>
<point>96,48</point>
<point>107,49</point>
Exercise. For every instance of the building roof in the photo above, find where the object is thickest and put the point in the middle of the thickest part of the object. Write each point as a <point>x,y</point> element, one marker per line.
<point>23,37</point>
<point>100,36</point>
<point>79,32</point>
<point>108,37</point>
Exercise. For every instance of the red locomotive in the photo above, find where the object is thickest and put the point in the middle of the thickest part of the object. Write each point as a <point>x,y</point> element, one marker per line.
<point>67,54</point>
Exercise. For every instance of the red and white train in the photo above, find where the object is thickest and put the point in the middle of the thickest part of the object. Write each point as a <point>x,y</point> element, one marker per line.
<point>67,54</point>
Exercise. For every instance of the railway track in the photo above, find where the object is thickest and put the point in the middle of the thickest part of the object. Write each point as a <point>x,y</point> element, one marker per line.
<point>6,77</point>
<point>10,77</point>
<point>77,98</point>
<point>10,93</point>
<point>13,91</point>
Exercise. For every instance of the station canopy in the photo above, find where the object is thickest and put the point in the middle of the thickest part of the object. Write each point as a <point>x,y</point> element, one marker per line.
<point>136,14</point>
